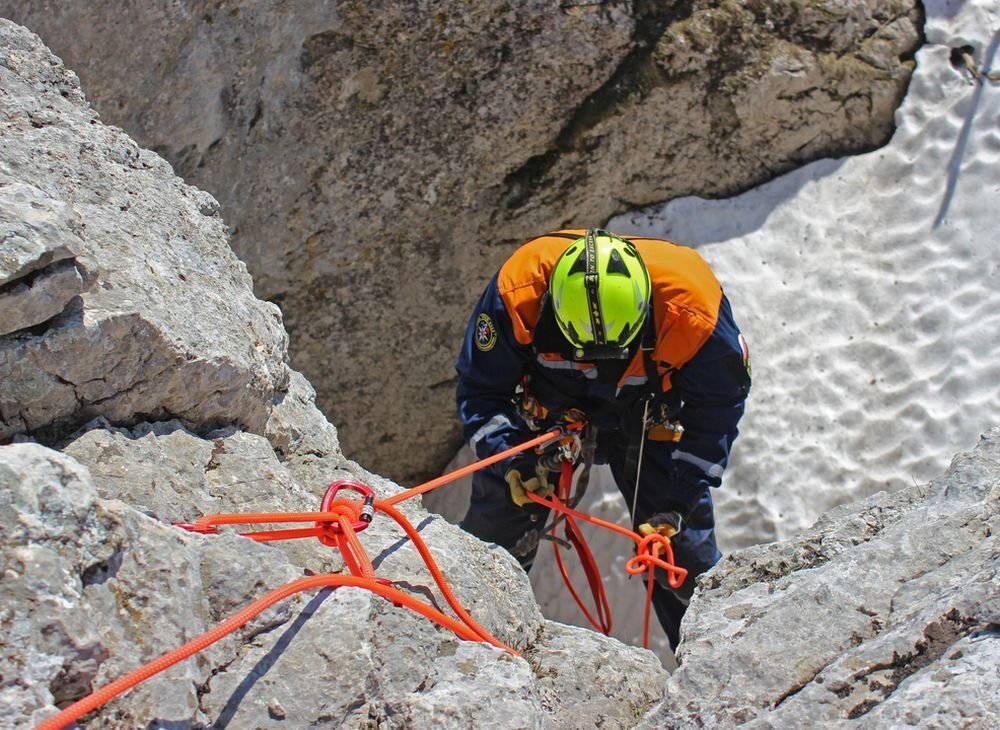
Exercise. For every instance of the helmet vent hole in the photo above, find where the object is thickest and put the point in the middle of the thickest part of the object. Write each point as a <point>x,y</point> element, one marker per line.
<point>616,265</point>
<point>580,265</point>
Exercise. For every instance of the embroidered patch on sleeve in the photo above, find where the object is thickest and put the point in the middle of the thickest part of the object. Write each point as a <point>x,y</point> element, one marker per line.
<point>486,333</point>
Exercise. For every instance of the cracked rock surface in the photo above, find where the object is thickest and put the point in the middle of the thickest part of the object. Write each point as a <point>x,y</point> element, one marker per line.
<point>159,394</point>
<point>39,273</point>
<point>377,162</point>
<point>885,612</point>
<point>165,323</point>
<point>96,583</point>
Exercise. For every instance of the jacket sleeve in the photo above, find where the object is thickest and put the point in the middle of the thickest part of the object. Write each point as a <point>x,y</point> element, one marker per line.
<point>713,387</point>
<point>490,366</point>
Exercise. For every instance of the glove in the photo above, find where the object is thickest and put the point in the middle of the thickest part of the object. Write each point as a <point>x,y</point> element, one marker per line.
<point>667,524</point>
<point>528,475</point>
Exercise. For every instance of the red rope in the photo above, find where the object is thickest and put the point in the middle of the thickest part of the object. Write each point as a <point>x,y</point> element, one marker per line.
<point>572,532</point>
<point>337,525</point>
<point>652,552</point>
<point>115,688</point>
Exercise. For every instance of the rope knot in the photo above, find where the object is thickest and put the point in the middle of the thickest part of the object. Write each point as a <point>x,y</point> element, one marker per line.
<point>654,551</point>
<point>358,514</point>
<point>348,508</point>
<point>348,514</point>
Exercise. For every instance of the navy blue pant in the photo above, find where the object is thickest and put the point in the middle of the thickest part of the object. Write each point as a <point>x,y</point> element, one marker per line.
<point>492,516</point>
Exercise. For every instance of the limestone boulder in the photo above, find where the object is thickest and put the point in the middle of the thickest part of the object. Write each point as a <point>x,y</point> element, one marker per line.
<point>378,162</point>
<point>885,612</point>
<point>91,589</point>
<point>95,586</point>
<point>121,297</point>
<point>39,271</point>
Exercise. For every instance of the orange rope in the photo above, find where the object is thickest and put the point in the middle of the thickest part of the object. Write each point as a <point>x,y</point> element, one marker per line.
<point>475,466</point>
<point>349,544</point>
<point>641,562</point>
<point>425,553</point>
<point>109,691</point>
<point>646,560</point>
<point>649,607</point>
<point>353,552</point>
<point>334,527</point>
<point>338,527</point>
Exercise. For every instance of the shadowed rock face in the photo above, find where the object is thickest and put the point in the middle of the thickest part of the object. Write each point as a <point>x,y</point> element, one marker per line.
<point>377,163</point>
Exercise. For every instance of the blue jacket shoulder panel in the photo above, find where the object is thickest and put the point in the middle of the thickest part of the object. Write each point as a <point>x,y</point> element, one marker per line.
<point>718,373</point>
<point>490,365</point>
<point>713,387</point>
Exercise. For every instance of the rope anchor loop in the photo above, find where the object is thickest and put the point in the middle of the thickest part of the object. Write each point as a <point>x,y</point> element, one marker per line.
<point>362,516</point>
<point>655,552</point>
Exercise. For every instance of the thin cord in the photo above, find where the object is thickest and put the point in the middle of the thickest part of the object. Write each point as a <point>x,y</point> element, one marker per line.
<point>638,466</point>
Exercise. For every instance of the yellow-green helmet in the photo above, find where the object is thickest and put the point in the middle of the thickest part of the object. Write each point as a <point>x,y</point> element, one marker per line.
<point>599,291</point>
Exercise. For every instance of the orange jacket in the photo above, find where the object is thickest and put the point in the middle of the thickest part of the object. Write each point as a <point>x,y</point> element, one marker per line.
<point>686,296</point>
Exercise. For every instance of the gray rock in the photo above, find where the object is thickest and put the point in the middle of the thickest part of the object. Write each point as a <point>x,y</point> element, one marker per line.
<point>96,582</point>
<point>119,588</point>
<point>872,615</point>
<point>377,163</point>
<point>622,683</point>
<point>296,428</point>
<point>172,475</point>
<point>169,326</point>
<point>91,589</point>
<point>26,304</point>
<point>39,274</point>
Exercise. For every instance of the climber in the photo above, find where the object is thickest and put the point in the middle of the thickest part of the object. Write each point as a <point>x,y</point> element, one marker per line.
<point>637,335</point>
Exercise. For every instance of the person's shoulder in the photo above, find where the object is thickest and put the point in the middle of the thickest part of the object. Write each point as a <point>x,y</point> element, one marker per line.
<point>647,240</point>
<point>667,258</point>
<point>555,242</point>
<point>532,262</point>
<point>655,247</point>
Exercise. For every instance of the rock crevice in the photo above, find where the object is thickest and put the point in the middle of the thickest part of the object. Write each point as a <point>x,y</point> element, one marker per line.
<point>361,176</point>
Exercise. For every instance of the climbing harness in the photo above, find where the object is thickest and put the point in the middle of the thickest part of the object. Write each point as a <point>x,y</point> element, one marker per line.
<point>581,448</point>
<point>338,523</point>
<point>652,552</point>
<point>528,407</point>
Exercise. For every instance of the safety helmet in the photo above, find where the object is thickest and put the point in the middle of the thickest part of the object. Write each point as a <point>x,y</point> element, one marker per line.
<point>599,291</point>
